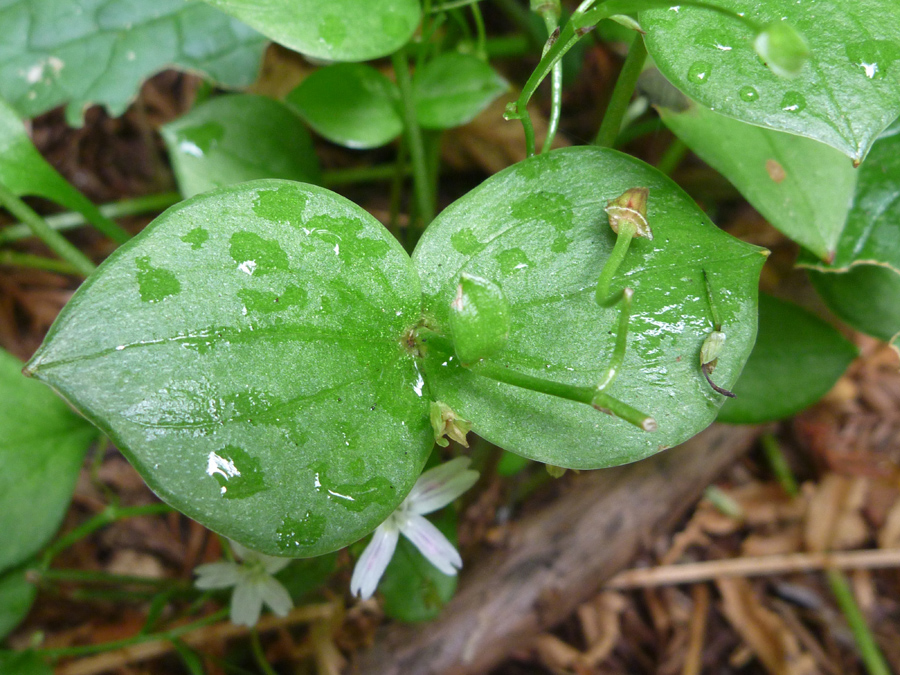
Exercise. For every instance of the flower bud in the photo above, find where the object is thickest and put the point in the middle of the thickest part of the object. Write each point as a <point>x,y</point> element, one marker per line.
<point>445,422</point>
<point>712,347</point>
<point>479,319</point>
<point>630,207</point>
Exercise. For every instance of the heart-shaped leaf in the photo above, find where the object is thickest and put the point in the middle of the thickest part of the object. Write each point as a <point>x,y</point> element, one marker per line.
<point>801,186</point>
<point>862,283</point>
<point>42,446</point>
<point>337,30</point>
<point>539,231</point>
<point>351,104</point>
<point>248,352</point>
<point>453,88</point>
<point>237,138</point>
<point>845,95</point>
<point>82,52</point>
<point>25,172</point>
<point>16,597</point>
<point>796,360</point>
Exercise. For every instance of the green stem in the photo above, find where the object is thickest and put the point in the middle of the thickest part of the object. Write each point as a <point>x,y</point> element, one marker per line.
<point>868,649</point>
<point>713,309</point>
<point>622,92</point>
<point>400,172</point>
<point>54,240</point>
<point>452,4</point>
<point>109,515</point>
<point>551,20</point>
<point>72,219</point>
<point>618,358</point>
<point>413,138</point>
<point>638,129</point>
<point>479,28</point>
<point>166,635</point>
<point>258,653</point>
<point>626,233</point>
<point>672,157</point>
<point>779,465</point>
<point>38,262</point>
<point>98,577</point>
<point>366,174</point>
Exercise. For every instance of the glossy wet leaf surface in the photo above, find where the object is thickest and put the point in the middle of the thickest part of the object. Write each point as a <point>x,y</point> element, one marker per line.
<point>81,52</point>
<point>255,368</point>
<point>41,451</point>
<point>539,230</point>
<point>453,88</point>
<point>845,95</point>
<point>351,104</point>
<point>237,138</point>
<point>802,187</point>
<point>337,30</point>
<point>26,173</point>
<point>16,597</point>
<point>867,297</point>
<point>797,359</point>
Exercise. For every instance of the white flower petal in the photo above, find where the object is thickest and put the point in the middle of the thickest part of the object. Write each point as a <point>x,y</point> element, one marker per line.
<point>373,561</point>
<point>276,596</point>
<point>246,604</point>
<point>217,575</point>
<point>273,564</point>
<point>432,544</point>
<point>241,552</point>
<point>439,486</point>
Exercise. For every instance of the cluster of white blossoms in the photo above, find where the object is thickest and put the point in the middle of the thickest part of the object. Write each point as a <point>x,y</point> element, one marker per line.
<point>255,585</point>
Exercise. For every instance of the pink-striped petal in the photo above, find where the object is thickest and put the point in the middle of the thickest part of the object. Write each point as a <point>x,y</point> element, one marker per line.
<point>432,544</point>
<point>439,486</point>
<point>374,561</point>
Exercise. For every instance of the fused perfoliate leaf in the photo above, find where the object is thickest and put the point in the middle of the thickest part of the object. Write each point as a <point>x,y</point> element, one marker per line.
<point>711,349</point>
<point>479,318</point>
<point>630,207</point>
<point>782,48</point>
<point>445,422</point>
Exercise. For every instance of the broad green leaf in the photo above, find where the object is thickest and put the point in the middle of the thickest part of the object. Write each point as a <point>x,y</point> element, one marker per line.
<point>81,52</point>
<point>42,445</point>
<point>862,283</point>
<point>16,597</point>
<point>845,95</point>
<point>23,663</point>
<point>796,360</point>
<point>801,186</point>
<point>351,104</point>
<point>453,88</point>
<point>25,172</point>
<point>867,297</point>
<point>539,230</point>
<point>413,589</point>
<point>337,30</point>
<point>237,138</point>
<point>248,353</point>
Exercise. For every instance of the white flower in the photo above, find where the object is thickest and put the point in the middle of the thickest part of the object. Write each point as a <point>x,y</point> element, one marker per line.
<point>435,489</point>
<point>253,584</point>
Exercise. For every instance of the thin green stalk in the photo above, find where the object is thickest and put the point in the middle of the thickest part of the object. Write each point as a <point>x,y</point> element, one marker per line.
<point>258,653</point>
<point>413,138</point>
<point>401,170</point>
<point>550,13</point>
<point>105,225</point>
<point>638,129</point>
<point>166,635</point>
<point>452,4</point>
<point>98,577</point>
<point>779,465</point>
<point>871,655</point>
<point>37,262</point>
<point>672,157</point>
<point>54,240</point>
<point>109,515</point>
<point>480,31</point>
<point>72,219</point>
<point>618,358</point>
<point>622,92</point>
<point>626,233</point>
<point>366,174</point>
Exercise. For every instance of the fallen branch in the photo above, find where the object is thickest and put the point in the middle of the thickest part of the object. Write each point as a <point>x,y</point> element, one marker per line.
<point>689,573</point>
<point>556,559</point>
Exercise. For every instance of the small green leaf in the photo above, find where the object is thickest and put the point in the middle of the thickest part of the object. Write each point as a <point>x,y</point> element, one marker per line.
<point>336,30</point>
<point>16,597</point>
<point>414,590</point>
<point>270,359</point>
<point>350,104</point>
<point>796,360</point>
<point>540,230</point>
<point>453,88</point>
<point>479,319</point>
<point>41,450</point>
<point>25,172</point>
<point>801,186</point>
<point>237,138</point>
<point>862,283</point>
<point>23,663</point>
<point>82,52</point>
<point>846,94</point>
